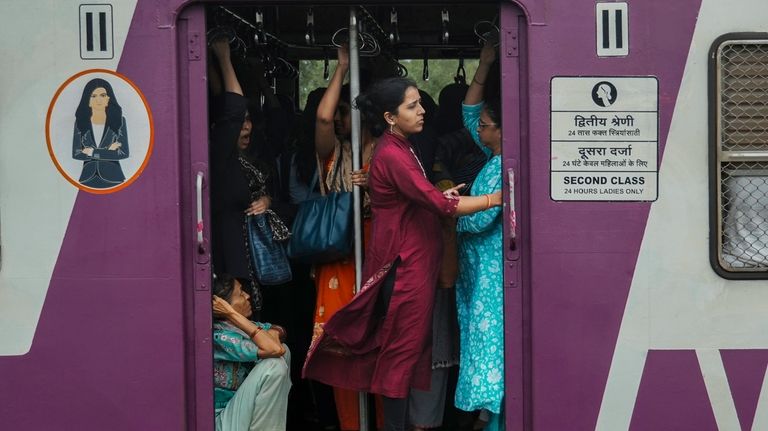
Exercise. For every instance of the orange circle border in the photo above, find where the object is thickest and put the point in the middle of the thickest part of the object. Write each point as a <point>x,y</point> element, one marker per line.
<point>133,177</point>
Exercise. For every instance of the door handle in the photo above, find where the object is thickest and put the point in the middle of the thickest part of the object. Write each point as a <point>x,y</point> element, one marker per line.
<point>512,215</point>
<point>199,226</point>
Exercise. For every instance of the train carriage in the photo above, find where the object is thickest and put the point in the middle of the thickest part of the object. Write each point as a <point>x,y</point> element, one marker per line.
<point>635,169</point>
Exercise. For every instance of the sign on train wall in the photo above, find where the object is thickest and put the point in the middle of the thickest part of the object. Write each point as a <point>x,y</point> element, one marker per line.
<point>604,138</point>
<point>111,141</point>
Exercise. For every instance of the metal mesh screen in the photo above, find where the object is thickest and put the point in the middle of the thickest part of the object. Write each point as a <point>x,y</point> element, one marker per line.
<point>744,209</point>
<point>743,156</point>
<point>744,96</point>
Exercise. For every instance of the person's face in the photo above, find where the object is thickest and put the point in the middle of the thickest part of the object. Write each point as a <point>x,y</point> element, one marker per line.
<point>240,300</point>
<point>245,133</point>
<point>342,120</point>
<point>410,114</point>
<point>99,99</point>
<point>490,132</point>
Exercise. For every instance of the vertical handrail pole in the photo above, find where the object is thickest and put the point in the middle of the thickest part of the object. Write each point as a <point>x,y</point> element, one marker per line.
<point>354,89</point>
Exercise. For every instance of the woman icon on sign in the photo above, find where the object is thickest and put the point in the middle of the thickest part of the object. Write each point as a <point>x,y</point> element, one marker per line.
<point>101,137</point>
<point>604,94</point>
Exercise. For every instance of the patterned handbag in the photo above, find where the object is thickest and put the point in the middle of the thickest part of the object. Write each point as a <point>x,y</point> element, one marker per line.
<point>268,257</point>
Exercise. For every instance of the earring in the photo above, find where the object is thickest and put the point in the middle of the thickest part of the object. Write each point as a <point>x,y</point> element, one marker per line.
<point>391,128</point>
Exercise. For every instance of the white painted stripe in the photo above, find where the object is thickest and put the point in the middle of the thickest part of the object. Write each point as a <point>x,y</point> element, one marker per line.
<point>718,390</point>
<point>621,389</point>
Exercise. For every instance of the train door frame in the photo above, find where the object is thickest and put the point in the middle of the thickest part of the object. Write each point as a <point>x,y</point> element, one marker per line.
<point>512,57</point>
<point>191,72</point>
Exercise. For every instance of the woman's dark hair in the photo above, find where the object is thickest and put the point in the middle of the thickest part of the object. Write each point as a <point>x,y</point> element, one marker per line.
<point>344,95</point>
<point>83,112</point>
<point>493,108</point>
<point>449,114</point>
<point>223,285</point>
<point>306,163</point>
<point>492,93</point>
<point>383,96</point>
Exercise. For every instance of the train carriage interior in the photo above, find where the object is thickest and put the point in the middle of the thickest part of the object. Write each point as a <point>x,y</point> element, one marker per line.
<point>293,47</point>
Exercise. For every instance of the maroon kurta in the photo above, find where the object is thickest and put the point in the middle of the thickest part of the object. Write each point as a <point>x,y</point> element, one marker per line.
<point>359,349</point>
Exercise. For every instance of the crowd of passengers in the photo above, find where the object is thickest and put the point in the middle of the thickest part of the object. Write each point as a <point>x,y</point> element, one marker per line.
<point>427,328</point>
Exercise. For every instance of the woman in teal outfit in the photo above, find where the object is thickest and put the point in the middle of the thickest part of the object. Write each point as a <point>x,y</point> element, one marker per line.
<point>479,287</point>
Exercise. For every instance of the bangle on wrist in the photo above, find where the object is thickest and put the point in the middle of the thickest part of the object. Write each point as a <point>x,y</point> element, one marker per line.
<point>255,331</point>
<point>487,201</point>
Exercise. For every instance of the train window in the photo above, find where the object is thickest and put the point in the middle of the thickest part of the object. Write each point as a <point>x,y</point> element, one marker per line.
<point>442,71</point>
<point>739,156</point>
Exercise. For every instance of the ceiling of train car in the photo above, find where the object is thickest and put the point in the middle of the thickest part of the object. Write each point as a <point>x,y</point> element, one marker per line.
<point>419,27</point>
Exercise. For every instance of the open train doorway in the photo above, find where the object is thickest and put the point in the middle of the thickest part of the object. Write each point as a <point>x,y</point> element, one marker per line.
<point>283,59</point>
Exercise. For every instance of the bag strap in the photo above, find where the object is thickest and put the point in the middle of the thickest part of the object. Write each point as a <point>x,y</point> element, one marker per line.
<point>337,168</point>
<point>313,183</point>
<point>338,160</point>
<point>320,171</point>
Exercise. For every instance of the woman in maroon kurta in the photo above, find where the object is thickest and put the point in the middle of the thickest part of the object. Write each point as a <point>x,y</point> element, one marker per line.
<point>380,342</point>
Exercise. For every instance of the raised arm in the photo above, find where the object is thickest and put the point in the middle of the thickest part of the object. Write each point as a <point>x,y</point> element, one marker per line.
<point>475,91</point>
<point>325,135</point>
<point>221,50</point>
<point>268,344</point>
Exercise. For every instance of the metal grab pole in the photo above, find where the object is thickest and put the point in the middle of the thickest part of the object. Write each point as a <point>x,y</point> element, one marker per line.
<point>354,89</point>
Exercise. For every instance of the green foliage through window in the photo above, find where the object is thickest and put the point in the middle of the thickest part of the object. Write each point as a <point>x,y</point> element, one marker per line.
<point>441,73</point>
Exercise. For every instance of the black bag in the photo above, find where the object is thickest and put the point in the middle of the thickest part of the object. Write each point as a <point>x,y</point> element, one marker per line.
<point>268,258</point>
<point>322,230</point>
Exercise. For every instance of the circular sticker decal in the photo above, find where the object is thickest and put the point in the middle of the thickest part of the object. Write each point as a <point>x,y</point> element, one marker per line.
<point>99,131</point>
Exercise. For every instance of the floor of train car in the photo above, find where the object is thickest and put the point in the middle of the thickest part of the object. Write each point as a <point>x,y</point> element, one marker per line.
<point>311,405</point>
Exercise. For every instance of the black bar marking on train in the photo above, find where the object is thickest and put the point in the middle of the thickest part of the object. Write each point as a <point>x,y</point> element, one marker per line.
<point>96,31</point>
<point>606,31</point>
<point>103,31</point>
<point>619,29</point>
<point>89,31</point>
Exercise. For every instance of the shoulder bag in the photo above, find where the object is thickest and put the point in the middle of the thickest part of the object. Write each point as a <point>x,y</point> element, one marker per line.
<point>268,258</point>
<point>322,230</point>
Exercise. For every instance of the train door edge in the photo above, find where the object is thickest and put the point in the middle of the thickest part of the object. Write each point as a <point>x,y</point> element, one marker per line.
<point>195,199</point>
<point>512,58</point>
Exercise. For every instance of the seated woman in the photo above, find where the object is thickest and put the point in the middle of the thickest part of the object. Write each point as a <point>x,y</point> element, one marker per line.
<point>250,364</point>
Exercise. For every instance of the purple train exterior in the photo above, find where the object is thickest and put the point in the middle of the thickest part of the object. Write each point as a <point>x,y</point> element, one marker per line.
<point>614,316</point>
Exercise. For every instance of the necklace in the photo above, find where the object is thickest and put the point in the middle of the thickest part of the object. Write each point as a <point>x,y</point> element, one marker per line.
<point>418,161</point>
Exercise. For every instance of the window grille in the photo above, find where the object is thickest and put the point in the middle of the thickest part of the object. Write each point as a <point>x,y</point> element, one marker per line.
<point>740,156</point>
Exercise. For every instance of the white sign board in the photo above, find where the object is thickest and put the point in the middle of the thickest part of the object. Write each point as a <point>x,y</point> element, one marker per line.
<point>604,138</point>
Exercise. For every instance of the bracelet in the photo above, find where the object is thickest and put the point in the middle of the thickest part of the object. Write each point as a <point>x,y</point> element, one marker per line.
<point>487,201</point>
<point>255,331</point>
<point>474,79</point>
